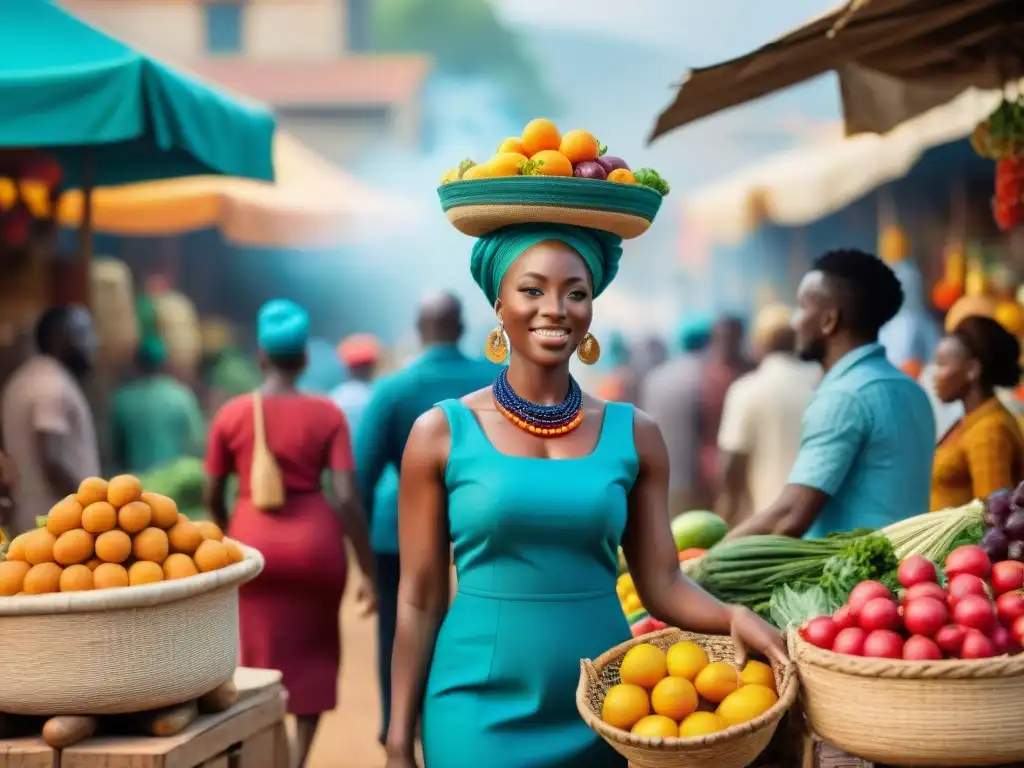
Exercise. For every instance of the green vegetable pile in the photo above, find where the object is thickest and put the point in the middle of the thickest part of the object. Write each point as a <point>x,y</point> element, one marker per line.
<point>183,481</point>
<point>649,177</point>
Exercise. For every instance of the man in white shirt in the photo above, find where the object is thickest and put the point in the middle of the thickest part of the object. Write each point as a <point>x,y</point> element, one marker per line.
<point>759,436</point>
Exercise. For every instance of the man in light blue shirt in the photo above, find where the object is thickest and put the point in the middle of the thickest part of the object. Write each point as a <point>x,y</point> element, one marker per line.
<point>868,434</point>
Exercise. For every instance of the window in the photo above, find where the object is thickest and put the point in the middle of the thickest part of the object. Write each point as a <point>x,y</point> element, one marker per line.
<point>223,27</point>
<point>360,26</point>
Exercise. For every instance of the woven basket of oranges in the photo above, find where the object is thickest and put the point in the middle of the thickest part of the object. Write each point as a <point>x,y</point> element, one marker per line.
<point>675,698</point>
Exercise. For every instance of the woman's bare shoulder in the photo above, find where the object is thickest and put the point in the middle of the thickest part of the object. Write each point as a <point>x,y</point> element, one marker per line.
<point>480,399</point>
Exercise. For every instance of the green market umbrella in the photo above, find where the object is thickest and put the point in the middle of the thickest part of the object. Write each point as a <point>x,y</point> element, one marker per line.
<point>113,115</point>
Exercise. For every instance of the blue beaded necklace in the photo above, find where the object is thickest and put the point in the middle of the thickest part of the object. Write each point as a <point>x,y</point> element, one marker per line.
<point>541,420</point>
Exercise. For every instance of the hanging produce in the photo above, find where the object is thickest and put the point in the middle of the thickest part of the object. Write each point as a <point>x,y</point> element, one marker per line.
<point>1001,138</point>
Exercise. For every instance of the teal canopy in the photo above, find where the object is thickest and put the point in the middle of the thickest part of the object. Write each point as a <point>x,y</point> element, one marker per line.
<point>69,88</point>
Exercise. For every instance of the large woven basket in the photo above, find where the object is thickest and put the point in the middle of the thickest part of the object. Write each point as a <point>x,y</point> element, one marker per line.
<point>121,650</point>
<point>919,713</point>
<point>735,747</point>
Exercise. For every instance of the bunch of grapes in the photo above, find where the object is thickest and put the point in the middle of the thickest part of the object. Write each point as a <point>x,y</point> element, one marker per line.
<point>1004,525</point>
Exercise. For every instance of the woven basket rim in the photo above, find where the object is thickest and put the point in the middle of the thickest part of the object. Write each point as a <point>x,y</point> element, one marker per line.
<point>806,655</point>
<point>144,596</point>
<point>590,672</point>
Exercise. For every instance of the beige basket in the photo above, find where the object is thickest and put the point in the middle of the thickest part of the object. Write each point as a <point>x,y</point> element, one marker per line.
<point>920,713</point>
<point>735,747</point>
<point>121,650</point>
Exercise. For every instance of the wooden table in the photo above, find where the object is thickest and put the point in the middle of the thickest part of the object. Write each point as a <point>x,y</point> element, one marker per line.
<point>251,734</point>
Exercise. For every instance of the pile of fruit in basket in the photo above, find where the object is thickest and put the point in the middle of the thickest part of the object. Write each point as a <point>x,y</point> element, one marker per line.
<point>978,614</point>
<point>1004,521</point>
<point>682,693</point>
<point>112,534</point>
<point>542,150</point>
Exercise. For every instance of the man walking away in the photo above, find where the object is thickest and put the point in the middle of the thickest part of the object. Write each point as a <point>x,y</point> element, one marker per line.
<point>439,373</point>
<point>47,423</point>
<point>360,354</point>
<point>759,437</point>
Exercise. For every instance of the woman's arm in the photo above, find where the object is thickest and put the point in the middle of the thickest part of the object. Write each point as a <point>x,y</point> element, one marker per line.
<point>343,483</point>
<point>214,501</point>
<point>219,464</point>
<point>651,553</point>
<point>423,590</point>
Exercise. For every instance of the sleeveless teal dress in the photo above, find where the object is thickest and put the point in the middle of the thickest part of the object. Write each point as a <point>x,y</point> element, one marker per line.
<point>535,549</point>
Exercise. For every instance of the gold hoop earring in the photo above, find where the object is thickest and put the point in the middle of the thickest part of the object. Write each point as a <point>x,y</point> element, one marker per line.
<point>496,348</point>
<point>589,350</point>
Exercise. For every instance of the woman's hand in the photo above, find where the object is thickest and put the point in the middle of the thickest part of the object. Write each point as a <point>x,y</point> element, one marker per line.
<point>400,762</point>
<point>750,631</point>
<point>366,596</point>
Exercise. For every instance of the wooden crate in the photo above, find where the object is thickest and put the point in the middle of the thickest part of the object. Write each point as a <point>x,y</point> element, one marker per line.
<point>28,752</point>
<point>249,735</point>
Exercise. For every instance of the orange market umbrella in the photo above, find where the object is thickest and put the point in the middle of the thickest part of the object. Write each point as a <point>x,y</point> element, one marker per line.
<point>312,204</point>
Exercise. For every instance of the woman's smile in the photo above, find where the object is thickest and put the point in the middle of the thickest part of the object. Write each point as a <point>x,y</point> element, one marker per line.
<point>551,336</point>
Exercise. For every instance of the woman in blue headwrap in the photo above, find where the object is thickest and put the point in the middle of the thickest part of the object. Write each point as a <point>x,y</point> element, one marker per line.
<point>535,484</point>
<point>289,614</point>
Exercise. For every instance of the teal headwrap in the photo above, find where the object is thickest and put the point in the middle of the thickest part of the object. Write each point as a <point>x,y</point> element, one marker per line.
<point>693,332</point>
<point>152,350</point>
<point>493,254</point>
<point>282,327</point>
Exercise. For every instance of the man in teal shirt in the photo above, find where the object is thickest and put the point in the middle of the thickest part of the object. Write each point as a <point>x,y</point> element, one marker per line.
<point>868,433</point>
<point>441,372</point>
<point>155,419</point>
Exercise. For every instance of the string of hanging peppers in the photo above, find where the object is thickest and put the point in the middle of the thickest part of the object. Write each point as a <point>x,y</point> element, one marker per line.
<point>1001,138</point>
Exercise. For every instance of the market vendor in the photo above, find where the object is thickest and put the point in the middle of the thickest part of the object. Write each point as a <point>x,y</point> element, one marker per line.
<point>984,451</point>
<point>868,434</point>
<point>535,483</point>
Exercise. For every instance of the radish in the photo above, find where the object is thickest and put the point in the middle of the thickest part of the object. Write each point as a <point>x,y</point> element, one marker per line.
<point>918,648</point>
<point>851,641</point>
<point>951,639</point>
<point>865,591</point>
<point>963,585</point>
<point>1016,629</point>
<point>1010,606</point>
<point>844,618</point>
<point>879,613</point>
<point>968,559</point>
<point>916,569</point>
<point>925,589</point>
<point>821,632</point>
<point>1007,576</point>
<point>1003,641</point>
<point>925,616</point>
<point>975,612</point>
<point>883,644</point>
<point>976,646</point>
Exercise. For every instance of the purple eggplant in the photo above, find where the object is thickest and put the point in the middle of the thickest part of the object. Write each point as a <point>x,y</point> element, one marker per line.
<point>610,163</point>
<point>1015,551</point>
<point>1014,526</point>
<point>1018,496</point>
<point>998,506</point>
<point>591,169</point>
<point>995,544</point>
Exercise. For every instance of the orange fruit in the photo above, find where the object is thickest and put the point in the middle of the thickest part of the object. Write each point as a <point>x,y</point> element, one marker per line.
<point>12,576</point>
<point>757,673</point>
<point>686,659</point>
<point>539,135</point>
<point>622,176</point>
<point>185,536</point>
<point>113,547</point>
<point>624,705</point>
<point>746,703</point>
<point>134,516</point>
<point>551,162</point>
<point>674,697</point>
<point>179,566</point>
<point>211,556</point>
<point>579,146</point>
<point>643,665</point>
<point>144,572</point>
<point>38,546</point>
<point>210,530</point>
<point>506,164</point>
<point>109,576</point>
<point>511,144</point>
<point>656,726</point>
<point>701,724</point>
<point>76,578</point>
<point>124,489</point>
<point>16,550</point>
<point>73,547</point>
<point>235,553</point>
<point>482,171</point>
<point>42,579</point>
<point>64,516</point>
<point>716,681</point>
<point>93,563</point>
<point>91,490</point>
<point>99,517</point>
<point>151,545</point>
<point>164,509</point>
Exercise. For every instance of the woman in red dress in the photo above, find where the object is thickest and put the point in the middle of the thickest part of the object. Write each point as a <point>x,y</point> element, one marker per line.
<point>289,614</point>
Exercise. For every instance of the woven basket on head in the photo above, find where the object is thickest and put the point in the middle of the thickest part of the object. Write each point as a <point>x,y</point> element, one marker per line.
<point>941,713</point>
<point>735,747</point>
<point>121,650</point>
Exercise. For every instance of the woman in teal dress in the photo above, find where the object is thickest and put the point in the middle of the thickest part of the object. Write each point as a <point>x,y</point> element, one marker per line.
<point>535,484</point>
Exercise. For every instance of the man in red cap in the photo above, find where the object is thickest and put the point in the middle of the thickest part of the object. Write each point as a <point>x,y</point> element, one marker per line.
<point>360,353</point>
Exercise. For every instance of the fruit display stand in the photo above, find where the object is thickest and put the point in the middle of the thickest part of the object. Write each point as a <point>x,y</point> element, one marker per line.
<point>250,733</point>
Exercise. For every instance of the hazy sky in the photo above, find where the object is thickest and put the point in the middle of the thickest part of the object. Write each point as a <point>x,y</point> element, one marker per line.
<point>720,29</point>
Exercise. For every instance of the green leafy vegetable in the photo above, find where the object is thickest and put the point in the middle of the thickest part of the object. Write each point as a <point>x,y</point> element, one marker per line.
<point>602,149</point>
<point>790,608</point>
<point>648,177</point>
<point>464,166</point>
<point>868,558</point>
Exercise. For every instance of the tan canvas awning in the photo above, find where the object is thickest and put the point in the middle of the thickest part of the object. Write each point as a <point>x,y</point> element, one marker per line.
<point>895,59</point>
